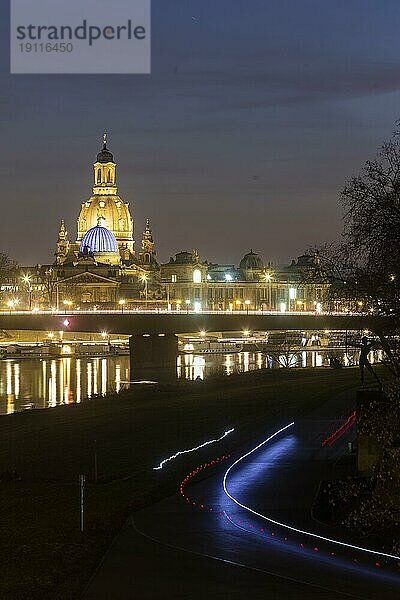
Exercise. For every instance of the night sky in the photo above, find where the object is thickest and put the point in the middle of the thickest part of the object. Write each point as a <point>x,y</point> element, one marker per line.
<point>255,115</point>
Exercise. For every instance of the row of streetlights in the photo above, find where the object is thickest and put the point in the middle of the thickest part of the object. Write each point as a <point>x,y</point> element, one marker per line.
<point>144,278</point>
<point>121,302</point>
<point>68,303</point>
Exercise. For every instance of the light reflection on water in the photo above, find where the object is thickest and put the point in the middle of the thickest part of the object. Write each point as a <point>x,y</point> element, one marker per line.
<point>193,366</point>
<point>36,383</point>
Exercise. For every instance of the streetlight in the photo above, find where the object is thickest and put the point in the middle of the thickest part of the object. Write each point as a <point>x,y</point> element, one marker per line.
<point>268,275</point>
<point>13,303</point>
<point>187,302</point>
<point>238,303</point>
<point>247,303</point>
<point>144,279</point>
<point>67,303</point>
<point>27,280</point>
<point>122,303</point>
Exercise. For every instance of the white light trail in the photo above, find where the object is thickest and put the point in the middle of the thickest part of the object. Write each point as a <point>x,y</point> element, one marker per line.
<point>162,463</point>
<point>285,525</point>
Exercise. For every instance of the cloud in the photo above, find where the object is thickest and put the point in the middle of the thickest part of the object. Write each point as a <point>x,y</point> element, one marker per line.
<point>287,85</point>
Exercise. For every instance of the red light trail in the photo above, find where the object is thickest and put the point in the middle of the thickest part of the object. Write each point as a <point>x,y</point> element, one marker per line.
<point>340,431</point>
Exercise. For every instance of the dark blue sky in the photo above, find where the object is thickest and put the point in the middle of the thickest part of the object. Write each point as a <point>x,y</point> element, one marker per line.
<point>255,115</point>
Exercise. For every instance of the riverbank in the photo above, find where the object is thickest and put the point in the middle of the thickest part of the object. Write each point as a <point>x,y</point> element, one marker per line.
<point>43,554</point>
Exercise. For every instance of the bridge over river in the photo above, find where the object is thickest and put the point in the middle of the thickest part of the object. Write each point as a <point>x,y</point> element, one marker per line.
<point>153,335</point>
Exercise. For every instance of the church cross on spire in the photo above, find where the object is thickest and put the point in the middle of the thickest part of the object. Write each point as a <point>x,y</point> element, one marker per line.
<point>104,140</point>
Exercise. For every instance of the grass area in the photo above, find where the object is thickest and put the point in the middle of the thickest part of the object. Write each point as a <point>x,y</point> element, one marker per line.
<point>42,553</point>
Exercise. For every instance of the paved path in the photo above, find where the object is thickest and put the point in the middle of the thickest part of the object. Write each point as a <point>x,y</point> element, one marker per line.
<point>173,550</point>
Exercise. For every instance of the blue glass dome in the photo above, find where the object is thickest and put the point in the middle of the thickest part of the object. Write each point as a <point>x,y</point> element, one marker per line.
<point>98,239</point>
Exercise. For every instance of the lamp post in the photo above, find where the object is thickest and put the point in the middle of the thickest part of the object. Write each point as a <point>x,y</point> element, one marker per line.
<point>50,285</point>
<point>268,279</point>
<point>12,304</point>
<point>66,303</point>
<point>27,280</point>
<point>187,302</point>
<point>247,303</point>
<point>122,304</point>
<point>238,303</point>
<point>144,279</point>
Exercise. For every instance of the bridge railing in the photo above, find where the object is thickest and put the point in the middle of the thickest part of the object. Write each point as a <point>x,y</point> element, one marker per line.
<point>138,311</point>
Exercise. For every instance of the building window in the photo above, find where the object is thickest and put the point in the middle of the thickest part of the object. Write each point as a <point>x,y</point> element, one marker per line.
<point>173,278</point>
<point>98,175</point>
<point>197,276</point>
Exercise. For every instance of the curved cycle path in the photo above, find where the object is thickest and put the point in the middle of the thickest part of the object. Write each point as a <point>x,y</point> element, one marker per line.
<point>176,550</point>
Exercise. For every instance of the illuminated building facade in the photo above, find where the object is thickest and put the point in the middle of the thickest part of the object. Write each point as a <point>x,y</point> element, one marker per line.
<point>101,268</point>
<point>250,286</point>
<point>105,214</point>
<point>184,279</point>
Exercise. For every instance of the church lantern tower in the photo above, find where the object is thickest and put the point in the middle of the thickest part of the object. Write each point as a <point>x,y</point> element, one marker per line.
<point>105,172</point>
<point>147,254</point>
<point>105,207</point>
<point>63,244</point>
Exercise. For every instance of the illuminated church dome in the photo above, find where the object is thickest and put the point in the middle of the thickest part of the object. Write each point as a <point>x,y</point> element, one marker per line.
<point>107,205</point>
<point>98,239</point>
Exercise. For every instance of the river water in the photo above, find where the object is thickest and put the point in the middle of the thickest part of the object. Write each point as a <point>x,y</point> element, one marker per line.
<point>44,383</point>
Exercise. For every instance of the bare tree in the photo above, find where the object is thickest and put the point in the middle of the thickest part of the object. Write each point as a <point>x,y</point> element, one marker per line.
<point>7,265</point>
<point>283,349</point>
<point>364,268</point>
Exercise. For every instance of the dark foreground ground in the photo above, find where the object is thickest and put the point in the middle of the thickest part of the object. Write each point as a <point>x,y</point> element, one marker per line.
<point>176,550</point>
<point>42,552</point>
